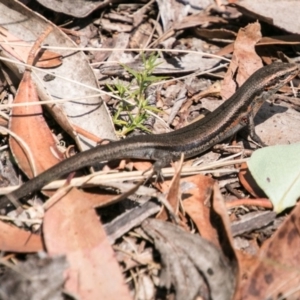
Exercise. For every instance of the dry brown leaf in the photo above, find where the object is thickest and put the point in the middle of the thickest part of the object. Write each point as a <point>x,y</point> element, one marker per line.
<point>173,189</point>
<point>183,255</point>
<point>248,182</point>
<point>251,186</point>
<point>3,122</point>
<point>260,202</point>
<point>222,222</point>
<point>72,228</point>
<point>198,206</point>
<point>48,59</point>
<point>244,61</point>
<point>276,273</point>
<point>246,261</point>
<point>141,36</point>
<point>212,90</point>
<point>196,20</point>
<point>14,239</point>
<point>142,165</point>
<point>207,209</point>
<point>45,59</point>
<point>214,33</point>
<point>226,50</point>
<point>28,123</point>
<point>292,39</point>
<point>115,26</point>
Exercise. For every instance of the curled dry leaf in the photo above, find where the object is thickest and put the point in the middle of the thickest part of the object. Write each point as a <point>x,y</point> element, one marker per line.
<point>27,122</point>
<point>174,193</point>
<point>184,255</point>
<point>248,182</point>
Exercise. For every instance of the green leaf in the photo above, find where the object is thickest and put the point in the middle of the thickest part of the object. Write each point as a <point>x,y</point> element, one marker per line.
<point>135,91</point>
<point>276,170</point>
<point>154,109</point>
<point>151,79</point>
<point>131,71</point>
<point>141,126</point>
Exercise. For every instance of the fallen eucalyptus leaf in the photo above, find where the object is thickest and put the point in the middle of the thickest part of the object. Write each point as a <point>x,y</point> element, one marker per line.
<point>276,170</point>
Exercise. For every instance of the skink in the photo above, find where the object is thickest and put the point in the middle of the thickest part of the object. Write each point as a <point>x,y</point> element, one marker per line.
<point>234,114</point>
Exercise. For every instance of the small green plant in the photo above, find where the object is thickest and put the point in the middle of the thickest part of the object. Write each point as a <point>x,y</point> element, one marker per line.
<point>131,116</point>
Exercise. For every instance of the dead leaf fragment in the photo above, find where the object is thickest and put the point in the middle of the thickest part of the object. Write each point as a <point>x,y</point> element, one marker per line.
<point>196,20</point>
<point>174,194</point>
<point>28,123</point>
<point>244,61</point>
<point>282,13</point>
<point>72,228</point>
<point>276,273</point>
<point>141,36</point>
<point>17,48</point>
<point>198,205</point>
<point>78,8</point>
<point>14,239</point>
<point>248,182</point>
<point>213,34</point>
<point>184,255</point>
